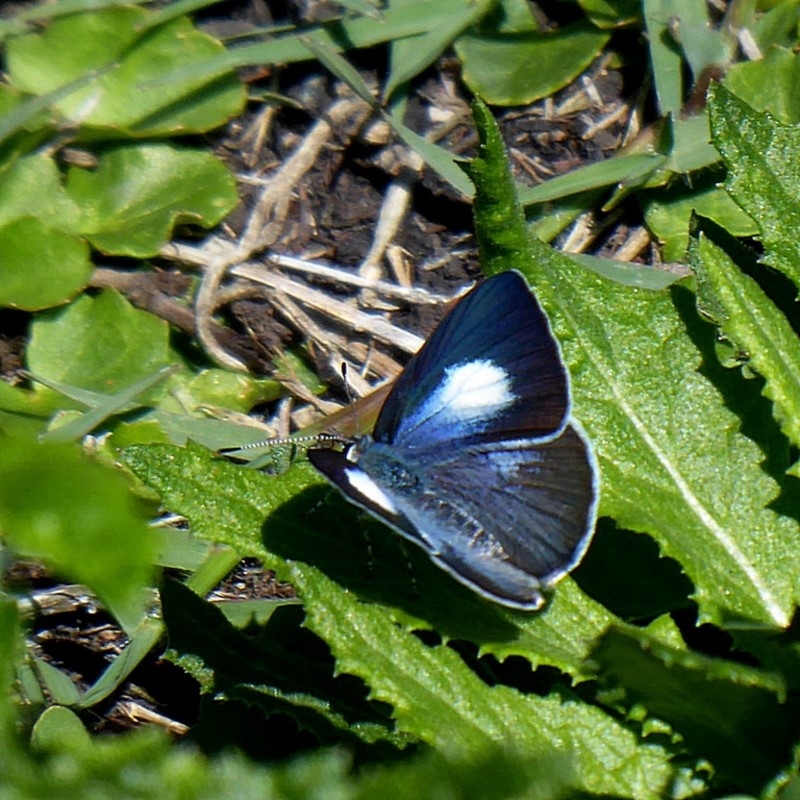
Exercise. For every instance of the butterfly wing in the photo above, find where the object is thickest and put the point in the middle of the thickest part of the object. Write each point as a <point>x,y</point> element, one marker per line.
<point>506,519</point>
<point>491,370</point>
<point>474,457</point>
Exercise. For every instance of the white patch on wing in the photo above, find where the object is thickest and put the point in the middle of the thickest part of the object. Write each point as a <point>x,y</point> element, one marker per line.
<point>366,487</point>
<point>475,385</point>
<point>470,392</point>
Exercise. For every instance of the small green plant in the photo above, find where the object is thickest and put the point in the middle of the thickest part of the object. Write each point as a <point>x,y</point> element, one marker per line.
<point>667,666</point>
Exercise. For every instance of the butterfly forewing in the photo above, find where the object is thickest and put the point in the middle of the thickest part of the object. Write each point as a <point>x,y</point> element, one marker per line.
<point>491,370</point>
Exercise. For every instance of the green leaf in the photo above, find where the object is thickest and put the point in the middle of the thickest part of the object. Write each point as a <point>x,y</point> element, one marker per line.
<point>437,698</point>
<point>79,518</point>
<point>762,178</point>
<point>59,687</point>
<point>410,56</point>
<point>107,407</point>
<point>635,358</point>
<point>129,54</point>
<point>226,503</point>
<point>399,21</point>
<point>497,66</point>
<point>665,57</point>
<point>142,640</point>
<point>754,325</point>
<point>267,517</point>
<point>282,667</point>
<point>735,716</point>
<point>59,730</point>
<point>31,186</point>
<point>780,70</point>
<point>611,13</point>
<point>669,210</point>
<point>100,343</point>
<point>40,267</point>
<point>11,646</point>
<point>624,169</point>
<point>131,202</point>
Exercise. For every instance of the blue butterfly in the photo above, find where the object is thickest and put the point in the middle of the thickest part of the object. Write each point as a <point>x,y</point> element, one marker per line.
<point>475,457</point>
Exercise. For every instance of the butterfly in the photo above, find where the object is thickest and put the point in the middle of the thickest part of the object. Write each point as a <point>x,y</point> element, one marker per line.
<point>475,456</point>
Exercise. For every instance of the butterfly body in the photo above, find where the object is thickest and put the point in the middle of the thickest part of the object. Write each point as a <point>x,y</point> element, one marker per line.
<point>475,457</point>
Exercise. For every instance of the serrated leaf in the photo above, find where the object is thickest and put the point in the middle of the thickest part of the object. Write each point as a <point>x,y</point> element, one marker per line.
<point>289,672</point>
<point>94,535</point>
<point>763,177</point>
<point>729,713</point>
<point>135,196</point>
<point>100,343</point>
<point>438,698</point>
<point>268,517</point>
<point>128,54</point>
<point>673,459</point>
<point>755,325</point>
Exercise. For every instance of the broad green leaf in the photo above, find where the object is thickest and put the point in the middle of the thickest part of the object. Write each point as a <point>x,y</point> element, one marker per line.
<point>23,412</point>
<point>769,84</point>
<point>138,193</point>
<point>283,668</point>
<point>750,320</point>
<point>80,519</point>
<point>40,267</point>
<point>436,697</point>
<point>32,187</point>
<point>59,730</point>
<point>763,175</point>
<point>100,343</point>
<point>673,459</point>
<point>735,716</point>
<point>398,668</point>
<point>129,54</point>
<point>497,67</point>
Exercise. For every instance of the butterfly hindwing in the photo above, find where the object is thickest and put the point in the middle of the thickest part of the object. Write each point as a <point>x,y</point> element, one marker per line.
<point>505,519</point>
